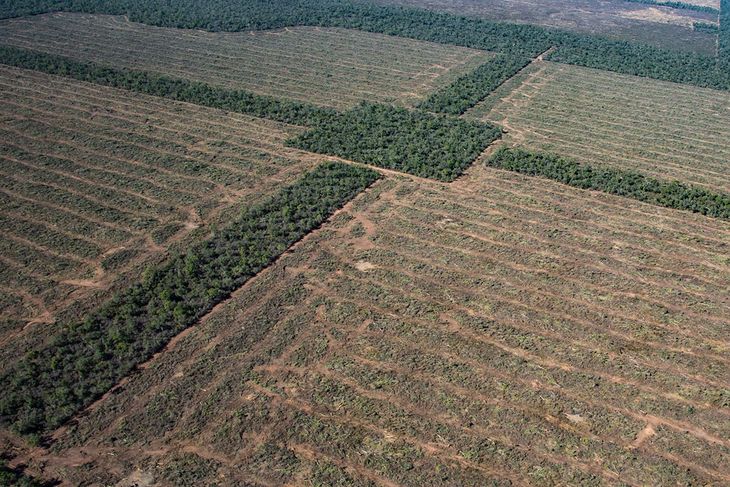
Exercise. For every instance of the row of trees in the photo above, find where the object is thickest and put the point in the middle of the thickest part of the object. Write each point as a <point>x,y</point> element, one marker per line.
<point>415,142</point>
<point>470,89</point>
<point>671,194</point>
<point>705,27</point>
<point>164,86</point>
<point>86,359</point>
<point>723,41</point>
<point>642,60</point>
<point>524,40</point>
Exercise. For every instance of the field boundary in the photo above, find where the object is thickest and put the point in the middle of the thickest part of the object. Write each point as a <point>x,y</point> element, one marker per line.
<point>619,182</point>
<point>86,359</point>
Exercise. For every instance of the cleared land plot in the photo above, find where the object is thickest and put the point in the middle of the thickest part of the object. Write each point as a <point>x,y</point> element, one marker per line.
<point>662,26</point>
<point>704,3</point>
<point>96,181</point>
<point>331,67</point>
<point>665,130</point>
<point>500,328</point>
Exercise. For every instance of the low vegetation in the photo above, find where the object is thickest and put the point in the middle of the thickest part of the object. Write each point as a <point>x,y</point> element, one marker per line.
<point>508,328</point>
<point>499,330</point>
<point>330,67</point>
<point>86,359</point>
<point>174,88</point>
<point>663,130</point>
<point>415,142</point>
<point>470,89</point>
<point>671,194</point>
<point>526,40</point>
<point>96,183</point>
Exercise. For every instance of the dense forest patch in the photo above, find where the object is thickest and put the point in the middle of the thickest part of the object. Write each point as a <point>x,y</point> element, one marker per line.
<point>415,142</point>
<point>664,130</point>
<point>723,40</point>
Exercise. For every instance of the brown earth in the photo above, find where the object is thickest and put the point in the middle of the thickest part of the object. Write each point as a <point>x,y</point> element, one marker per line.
<point>499,328</point>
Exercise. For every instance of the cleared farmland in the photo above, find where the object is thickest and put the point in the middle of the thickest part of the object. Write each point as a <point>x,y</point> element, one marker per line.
<point>498,329</point>
<point>96,182</point>
<point>330,67</point>
<point>665,130</point>
<point>662,26</point>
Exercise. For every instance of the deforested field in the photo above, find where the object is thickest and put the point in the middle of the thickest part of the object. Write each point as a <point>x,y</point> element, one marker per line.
<point>667,130</point>
<point>629,20</point>
<point>500,330</point>
<point>330,67</point>
<point>304,248</point>
<point>95,182</point>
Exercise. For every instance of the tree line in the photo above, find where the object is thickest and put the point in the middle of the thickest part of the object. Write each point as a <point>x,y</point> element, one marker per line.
<point>706,27</point>
<point>87,358</point>
<point>15,477</point>
<point>525,40</point>
<point>470,89</point>
<point>670,194</point>
<point>415,142</point>
<point>723,39</point>
<point>643,60</point>
<point>286,111</point>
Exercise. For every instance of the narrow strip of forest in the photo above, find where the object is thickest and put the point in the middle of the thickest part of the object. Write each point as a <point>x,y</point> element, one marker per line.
<point>630,184</point>
<point>87,358</point>
<point>470,89</point>
<point>286,111</point>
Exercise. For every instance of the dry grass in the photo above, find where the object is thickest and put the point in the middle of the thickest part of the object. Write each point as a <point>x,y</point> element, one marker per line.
<point>666,130</point>
<point>96,182</point>
<point>331,67</point>
<point>496,329</point>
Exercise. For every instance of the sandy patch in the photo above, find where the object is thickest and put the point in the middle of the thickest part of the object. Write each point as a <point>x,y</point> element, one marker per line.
<point>364,266</point>
<point>659,15</point>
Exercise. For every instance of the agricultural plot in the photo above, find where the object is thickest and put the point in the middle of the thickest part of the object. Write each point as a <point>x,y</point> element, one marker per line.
<point>661,26</point>
<point>664,130</point>
<point>96,182</point>
<point>500,329</point>
<point>330,67</point>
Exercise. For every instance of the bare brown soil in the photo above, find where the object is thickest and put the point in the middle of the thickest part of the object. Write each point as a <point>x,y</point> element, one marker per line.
<point>499,328</point>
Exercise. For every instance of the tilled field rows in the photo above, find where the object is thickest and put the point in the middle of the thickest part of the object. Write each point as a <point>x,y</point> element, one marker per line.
<point>93,179</point>
<point>665,130</point>
<point>332,67</point>
<point>497,329</point>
